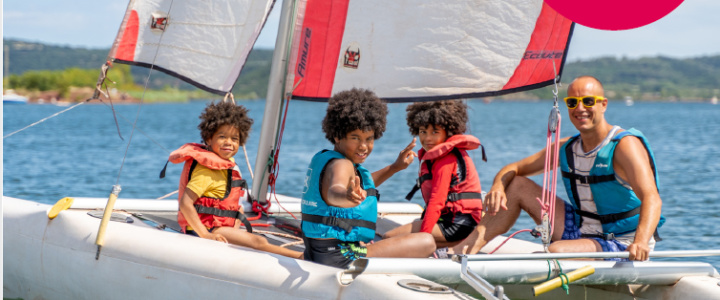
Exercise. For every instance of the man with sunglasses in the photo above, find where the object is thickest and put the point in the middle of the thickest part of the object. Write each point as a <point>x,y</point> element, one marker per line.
<point>610,177</point>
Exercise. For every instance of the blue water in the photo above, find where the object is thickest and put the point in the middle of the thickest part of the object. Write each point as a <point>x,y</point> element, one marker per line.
<point>79,153</point>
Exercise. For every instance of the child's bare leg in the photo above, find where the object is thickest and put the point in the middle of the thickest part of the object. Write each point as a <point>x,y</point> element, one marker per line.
<point>419,244</point>
<point>403,230</point>
<point>243,238</point>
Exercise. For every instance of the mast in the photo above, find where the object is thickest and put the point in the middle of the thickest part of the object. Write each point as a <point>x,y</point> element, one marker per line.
<point>269,127</point>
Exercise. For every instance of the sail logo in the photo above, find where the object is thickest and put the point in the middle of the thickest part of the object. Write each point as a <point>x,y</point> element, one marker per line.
<point>543,54</point>
<point>302,62</point>
<point>352,57</point>
<point>159,22</point>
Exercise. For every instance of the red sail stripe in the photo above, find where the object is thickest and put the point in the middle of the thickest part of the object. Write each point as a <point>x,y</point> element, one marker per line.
<point>126,46</point>
<point>326,21</point>
<point>548,43</point>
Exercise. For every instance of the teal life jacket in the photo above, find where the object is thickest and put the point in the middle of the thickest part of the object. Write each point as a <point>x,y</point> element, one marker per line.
<point>323,221</point>
<point>618,207</point>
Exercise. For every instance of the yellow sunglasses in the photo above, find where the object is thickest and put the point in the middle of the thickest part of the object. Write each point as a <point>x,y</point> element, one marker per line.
<point>587,101</point>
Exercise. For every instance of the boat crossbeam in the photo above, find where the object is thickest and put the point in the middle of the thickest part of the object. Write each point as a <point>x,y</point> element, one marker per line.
<point>602,255</point>
<point>483,287</point>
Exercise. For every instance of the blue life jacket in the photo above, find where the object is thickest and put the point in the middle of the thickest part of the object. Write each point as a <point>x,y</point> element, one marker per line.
<point>618,207</point>
<point>322,221</point>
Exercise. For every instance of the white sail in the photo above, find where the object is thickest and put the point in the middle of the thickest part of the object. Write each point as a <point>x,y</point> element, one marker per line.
<point>204,42</point>
<point>406,50</point>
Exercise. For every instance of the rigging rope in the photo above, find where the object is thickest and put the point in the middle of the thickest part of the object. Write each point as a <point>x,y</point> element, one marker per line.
<point>272,167</point>
<point>547,202</point>
<point>275,169</point>
<point>47,118</point>
<point>142,98</point>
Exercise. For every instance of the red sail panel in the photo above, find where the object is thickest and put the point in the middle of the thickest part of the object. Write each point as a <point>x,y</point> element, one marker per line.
<point>321,37</point>
<point>126,45</point>
<point>547,44</point>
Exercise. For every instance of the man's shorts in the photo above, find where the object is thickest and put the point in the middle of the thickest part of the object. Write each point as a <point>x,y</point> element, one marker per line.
<point>456,227</point>
<point>333,252</point>
<point>572,232</point>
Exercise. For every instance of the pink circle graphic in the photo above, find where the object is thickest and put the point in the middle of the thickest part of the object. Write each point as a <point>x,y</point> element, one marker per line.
<point>614,14</point>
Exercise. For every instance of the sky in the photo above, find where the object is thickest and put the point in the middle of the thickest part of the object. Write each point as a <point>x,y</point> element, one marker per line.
<point>691,30</point>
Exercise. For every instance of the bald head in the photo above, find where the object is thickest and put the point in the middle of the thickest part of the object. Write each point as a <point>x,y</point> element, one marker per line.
<point>585,86</point>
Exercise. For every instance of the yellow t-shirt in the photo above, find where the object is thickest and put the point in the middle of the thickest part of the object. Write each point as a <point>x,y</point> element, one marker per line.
<point>206,182</point>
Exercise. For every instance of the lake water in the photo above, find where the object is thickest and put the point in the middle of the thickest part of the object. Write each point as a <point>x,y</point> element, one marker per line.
<point>79,153</point>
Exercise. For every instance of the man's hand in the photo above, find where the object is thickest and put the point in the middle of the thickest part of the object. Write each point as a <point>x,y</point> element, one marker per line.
<point>495,200</point>
<point>639,251</point>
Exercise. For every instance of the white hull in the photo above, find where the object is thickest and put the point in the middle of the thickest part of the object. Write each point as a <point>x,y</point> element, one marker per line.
<point>55,259</point>
<point>14,99</point>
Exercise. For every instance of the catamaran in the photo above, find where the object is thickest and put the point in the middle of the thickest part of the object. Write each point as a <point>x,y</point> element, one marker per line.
<point>117,248</point>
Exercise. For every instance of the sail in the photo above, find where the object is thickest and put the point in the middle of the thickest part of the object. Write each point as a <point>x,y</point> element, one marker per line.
<point>205,43</point>
<point>426,49</point>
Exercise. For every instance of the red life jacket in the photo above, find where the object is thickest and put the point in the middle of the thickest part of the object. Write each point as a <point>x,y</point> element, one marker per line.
<point>464,194</point>
<point>213,212</point>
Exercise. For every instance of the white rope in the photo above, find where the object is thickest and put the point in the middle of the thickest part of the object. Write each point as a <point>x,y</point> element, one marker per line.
<point>247,161</point>
<point>167,195</point>
<point>45,119</point>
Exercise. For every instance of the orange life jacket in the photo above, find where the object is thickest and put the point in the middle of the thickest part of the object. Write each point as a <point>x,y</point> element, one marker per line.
<point>213,212</point>
<point>464,194</point>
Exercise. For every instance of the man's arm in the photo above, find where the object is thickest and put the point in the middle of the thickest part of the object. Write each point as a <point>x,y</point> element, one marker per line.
<point>529,166</point>
<point>405,158</point>
<point>340,186</point>
<point>632,164</point>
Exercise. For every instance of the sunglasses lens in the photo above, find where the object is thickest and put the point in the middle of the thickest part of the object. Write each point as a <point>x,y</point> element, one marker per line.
<point>571,102</point>
<point>588,101</point>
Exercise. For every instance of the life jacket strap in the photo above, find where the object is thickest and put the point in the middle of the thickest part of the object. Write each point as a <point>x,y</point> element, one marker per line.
<point>611,236</point>
<point>239,183</point>
<point>591,179</point>
<point>373,192</point>
<point>225,213</point>
<point>610,218</point>
<point>418,182</point>
<point>345,224</point>
<point>604,236</point>
<point>452,197</point>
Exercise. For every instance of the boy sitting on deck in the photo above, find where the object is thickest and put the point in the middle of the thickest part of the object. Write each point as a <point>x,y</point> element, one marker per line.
<point>339,202</point>
<point>447,179</point>
<point>211,186</point>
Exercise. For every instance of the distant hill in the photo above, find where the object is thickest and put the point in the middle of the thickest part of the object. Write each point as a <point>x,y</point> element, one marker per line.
<point>651,78</point>
<point>21,56</point>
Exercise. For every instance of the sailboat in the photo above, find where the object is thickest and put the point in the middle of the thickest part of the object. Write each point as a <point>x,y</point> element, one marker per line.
<point>117,248</point>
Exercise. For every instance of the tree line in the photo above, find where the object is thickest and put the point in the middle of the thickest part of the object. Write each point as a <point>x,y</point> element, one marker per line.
<point>48,67</point>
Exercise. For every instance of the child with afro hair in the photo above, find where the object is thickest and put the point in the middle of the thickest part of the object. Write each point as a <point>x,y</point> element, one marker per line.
<point>448,179</point>
<point>211,186</point>
<point>339,200</point>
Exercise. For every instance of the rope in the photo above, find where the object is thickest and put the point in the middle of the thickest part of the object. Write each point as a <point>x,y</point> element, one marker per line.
<point>138,129</point>
<point>272,165</point>
<point>47,118</point>
<point>550,171</point>
<point>285,235</point>
<point>142,100</point>
<point>247,162</point>
<point>564,280</point>
<point>275,169</point>
<point>563,277</point>
<point>508,238</point>
<point>168,195</point>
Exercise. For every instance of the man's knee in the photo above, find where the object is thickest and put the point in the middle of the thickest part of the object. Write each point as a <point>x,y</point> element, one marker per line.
<point>522,187</point>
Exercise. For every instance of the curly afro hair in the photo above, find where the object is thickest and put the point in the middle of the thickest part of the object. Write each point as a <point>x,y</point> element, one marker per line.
<point>354,109</point>
<point>451,115</point>
<point>216,115</point>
